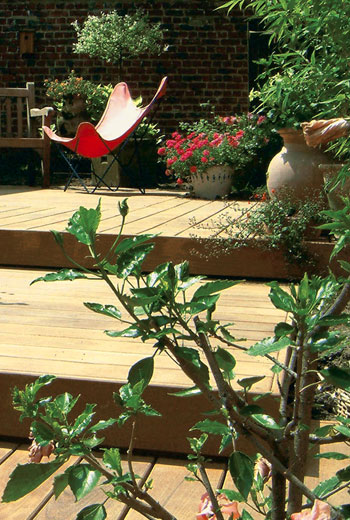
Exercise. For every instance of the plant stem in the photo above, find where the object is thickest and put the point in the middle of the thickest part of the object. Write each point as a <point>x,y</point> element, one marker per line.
<point>210,492</point>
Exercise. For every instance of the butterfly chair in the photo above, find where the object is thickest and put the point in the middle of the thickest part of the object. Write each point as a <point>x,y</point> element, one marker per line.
<point>117,125</point>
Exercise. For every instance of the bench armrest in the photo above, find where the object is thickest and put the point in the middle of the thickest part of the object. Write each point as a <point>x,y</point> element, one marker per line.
<point>45,113</point>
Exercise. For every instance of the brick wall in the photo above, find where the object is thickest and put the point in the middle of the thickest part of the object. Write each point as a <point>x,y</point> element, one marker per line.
<point>207,57</point>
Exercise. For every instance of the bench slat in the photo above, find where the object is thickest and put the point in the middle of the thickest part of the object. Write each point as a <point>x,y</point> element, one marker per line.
<point>19,117</point>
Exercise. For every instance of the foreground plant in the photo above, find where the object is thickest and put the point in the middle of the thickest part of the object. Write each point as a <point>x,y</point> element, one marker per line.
<point>158,308</point>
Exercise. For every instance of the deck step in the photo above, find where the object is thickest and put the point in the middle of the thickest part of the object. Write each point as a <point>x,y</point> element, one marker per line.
<point>45,328</point>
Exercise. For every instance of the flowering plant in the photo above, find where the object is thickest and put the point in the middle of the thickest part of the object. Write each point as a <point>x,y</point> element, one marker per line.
<point>94,96</point>
<point>237,141</point>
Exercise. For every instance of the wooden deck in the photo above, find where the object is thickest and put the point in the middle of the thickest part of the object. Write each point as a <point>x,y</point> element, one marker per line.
<point>45,328</point>
<point>28,214</point>
<point>180,497</point>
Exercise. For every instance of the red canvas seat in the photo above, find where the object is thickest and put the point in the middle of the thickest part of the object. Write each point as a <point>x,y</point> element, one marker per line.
<point>119,120</point>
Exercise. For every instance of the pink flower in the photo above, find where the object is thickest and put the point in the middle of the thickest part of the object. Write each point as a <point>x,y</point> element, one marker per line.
<point>260,120</point>
<point>193,169</point>
<point>206,512</point>
<point>161,151</point>
<point>319,511</point>
<point>171,161</point>
<point>204,159</point>
<point>168,172</point>
<point>37,452</point>
<point>206,152</point>
<point>262,466</point>
<point>179,181</point>
<point>239,134</point>
<point>170,143</point>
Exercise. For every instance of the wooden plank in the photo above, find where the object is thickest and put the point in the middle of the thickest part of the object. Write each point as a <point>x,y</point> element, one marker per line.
<point>66,507</point>
<point>180,497</point>
<point>22,508</point>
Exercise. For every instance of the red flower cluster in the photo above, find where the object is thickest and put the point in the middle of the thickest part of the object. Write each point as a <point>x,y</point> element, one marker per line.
<point>193,152</point>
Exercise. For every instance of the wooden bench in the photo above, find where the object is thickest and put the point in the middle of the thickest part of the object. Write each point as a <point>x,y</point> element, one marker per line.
<point>17,127</point>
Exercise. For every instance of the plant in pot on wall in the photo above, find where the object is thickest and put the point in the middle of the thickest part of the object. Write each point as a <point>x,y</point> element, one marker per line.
<point>217,155</point>
<point>306,77</point>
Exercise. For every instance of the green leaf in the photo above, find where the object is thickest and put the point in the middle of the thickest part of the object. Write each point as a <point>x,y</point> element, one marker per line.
<point>344,511</point>
<point>102,425</point>
<point>232,495</point>
<point>224,359</point>
<point>242,471</point>
<point>342,429</point>
<point>141,371</point>
<point>65,402</point>
<point>189,392</point>
<point>128,244</point>
<point>338,377</point>
<point>60,483</point>
<point>112,459</point>
<point>61,276</point>
<point>283,329</point>
<point>246,516</point>
<point>82,479</point>
<point>343,474</point>
<point>131,332</point>
<point>107,310</point>
<point>42,433</point>
<point>332,321</point>
<point>268,345</point>
<point>280,298</point>
<point>199,305</point>
<point>326,486</point>
<point>331,455</point>
<point>213,287</point>
<point>267,421</point>
<point>209,426</point>
<point>130,262</point>
<point>191,355</point>
<point>92,512</point>
<point>83,420</point>
<point>26,477</point>
<point>248,382</point>
<point>84,223</point>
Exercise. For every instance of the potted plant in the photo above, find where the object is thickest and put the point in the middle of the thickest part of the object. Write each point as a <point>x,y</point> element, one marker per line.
<point>124,37</point>
<point>284,222</point>
<point>218,154</point>
<point>306,75</point>
<point>76,100</point>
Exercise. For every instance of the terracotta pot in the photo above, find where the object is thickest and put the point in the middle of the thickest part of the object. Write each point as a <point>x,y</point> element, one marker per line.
<point>329,173</point>
<point>214,183</point>
<point>295,168</point>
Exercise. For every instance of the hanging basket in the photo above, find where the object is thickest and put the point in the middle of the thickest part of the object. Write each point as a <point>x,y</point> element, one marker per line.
<point>214,183</point>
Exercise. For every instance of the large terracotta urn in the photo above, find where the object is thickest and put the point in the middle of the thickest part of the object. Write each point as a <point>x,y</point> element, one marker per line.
<point>294,170</point>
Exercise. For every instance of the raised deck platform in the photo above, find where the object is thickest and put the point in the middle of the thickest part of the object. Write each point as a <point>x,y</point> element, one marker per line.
<point>28,214</point>
<point>46,329</point>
